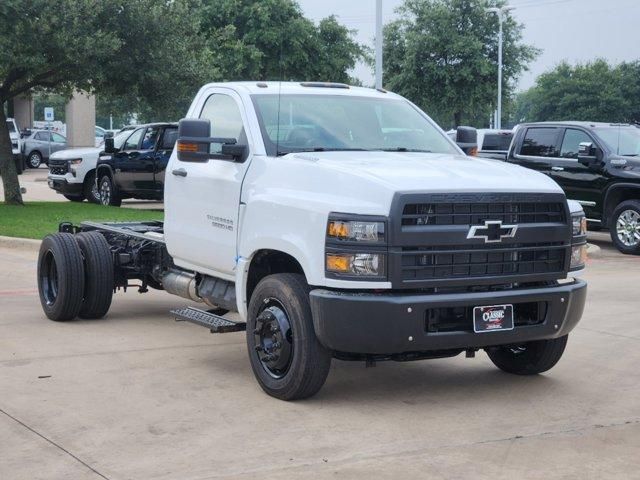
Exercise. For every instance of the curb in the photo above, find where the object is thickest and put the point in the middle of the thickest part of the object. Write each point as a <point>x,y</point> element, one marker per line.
<point>593,251</point>
<point>20,243</point>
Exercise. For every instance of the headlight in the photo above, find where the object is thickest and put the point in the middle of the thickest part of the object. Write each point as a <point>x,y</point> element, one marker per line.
<point>579,247</point>
<point>356,264</point>
<point>75,161</point>
<point>361,231</point>
<point>578,257</point>
<point>579,225</point>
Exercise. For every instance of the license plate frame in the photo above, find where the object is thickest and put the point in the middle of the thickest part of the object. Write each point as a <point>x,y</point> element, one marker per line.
<point>493,318</point>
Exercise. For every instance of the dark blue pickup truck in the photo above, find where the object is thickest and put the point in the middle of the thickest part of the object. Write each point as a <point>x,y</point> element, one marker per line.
<point>137,168</point>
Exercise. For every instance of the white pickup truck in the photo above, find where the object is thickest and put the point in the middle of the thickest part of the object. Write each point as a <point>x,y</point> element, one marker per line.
<point>338,222</point>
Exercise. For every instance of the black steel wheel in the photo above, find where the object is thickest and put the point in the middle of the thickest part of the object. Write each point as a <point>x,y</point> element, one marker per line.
<point>108,193</point>
<point>286,357</point>
<point>273,338</point>
<point>98,268</point>
<point>529,358</point>
<point>60,276</point>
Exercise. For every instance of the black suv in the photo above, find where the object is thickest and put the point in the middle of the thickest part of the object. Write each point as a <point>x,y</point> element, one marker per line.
<point>597,164</point>
<point>136,167</point>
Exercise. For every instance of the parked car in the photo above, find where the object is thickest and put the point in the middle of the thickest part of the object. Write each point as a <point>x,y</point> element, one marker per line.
<point>37,147</point>
<point>494,143</point>
<point>136,168</point>
<point>72,172</point>
<point>596,164</point>
<point>16,144</point>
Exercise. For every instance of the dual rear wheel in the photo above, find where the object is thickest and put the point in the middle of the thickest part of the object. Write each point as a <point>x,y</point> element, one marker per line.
<point>75,276</point>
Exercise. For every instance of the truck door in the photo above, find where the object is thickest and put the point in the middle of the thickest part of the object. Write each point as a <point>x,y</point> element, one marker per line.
<point>124,163</point>
<point>578,181</point>
<point>163,152</point>
<point>202,199</point>
<point>537,147</point>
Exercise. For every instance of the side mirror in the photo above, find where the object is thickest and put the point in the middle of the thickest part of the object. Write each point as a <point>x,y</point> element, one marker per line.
<point>467,140</point>
<point>194,142</point>
<point>109,146</point>
<point>589,155</point>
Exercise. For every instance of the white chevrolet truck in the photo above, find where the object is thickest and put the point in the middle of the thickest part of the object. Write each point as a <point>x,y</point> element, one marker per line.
<point>338,222</point>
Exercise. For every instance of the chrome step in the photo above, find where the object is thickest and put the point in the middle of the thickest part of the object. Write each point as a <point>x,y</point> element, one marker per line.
<point>215,323</point>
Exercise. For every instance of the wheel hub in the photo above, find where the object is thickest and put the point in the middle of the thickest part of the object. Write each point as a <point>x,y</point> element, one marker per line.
<point>105,193</point>
<point>628,228</point>
<point>273,339</point>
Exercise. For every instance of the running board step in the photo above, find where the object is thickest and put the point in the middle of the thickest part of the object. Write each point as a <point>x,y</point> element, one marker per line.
<point>213,322</point>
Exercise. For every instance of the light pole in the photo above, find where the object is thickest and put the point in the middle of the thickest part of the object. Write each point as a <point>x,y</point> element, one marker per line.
<point>378,44</point>
<point>500,12</point>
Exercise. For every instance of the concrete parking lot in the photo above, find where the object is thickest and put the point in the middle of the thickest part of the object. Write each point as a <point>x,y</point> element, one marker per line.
<point>35,182</point>
<point>139,396</point>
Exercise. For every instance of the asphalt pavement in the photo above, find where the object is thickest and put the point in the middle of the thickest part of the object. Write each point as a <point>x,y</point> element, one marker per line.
<point>139,396</point>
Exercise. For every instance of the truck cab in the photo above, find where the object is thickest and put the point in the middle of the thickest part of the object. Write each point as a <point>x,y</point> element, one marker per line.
<point>596,164</point>
<point>342,222</point>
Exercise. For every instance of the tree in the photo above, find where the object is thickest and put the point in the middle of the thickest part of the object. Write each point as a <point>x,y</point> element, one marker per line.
<point>594,91</point>
<point>443,55</point>
<point>272,40</point>
<point>140,49</point>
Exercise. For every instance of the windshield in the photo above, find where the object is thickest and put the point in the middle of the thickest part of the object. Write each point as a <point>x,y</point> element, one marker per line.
<point>623,141</point>
<point>340,122</point>
<point>11,126</point>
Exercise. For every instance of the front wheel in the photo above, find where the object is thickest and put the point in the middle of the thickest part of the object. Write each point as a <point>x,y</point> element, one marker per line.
<point>529,358</point>
<point>34,160</point>
<point>109,195</point>
<point>286,357</point>
<point>625,227</point>
<point>90,189</point>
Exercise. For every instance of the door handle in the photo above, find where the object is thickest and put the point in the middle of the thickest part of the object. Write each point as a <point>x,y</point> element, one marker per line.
<point>180,172</point>
<point>557,169</point>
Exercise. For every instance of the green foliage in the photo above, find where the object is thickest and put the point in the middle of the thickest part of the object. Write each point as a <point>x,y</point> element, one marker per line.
<point>145,52</point>
<point>595,91</point>
<point>272,40</point>
<point>443,55</point>
<point>37,219</point>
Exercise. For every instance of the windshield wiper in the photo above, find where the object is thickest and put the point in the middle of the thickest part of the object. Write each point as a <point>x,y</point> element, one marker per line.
<point>405,149</point>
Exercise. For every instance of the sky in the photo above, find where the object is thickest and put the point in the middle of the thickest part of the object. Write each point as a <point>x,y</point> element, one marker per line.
<point>572,30</point>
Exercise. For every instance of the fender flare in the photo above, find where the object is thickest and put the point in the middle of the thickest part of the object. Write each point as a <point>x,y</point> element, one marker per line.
<point>607,197</point>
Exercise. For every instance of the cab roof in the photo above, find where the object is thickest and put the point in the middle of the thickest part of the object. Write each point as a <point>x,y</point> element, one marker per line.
<point>569,123</point>
<point>292,88</point>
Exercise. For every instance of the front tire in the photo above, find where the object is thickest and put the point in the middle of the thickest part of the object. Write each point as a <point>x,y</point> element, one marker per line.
<point>109,195</point>
<point>90,189</point>
<point>34,160</point>
<point>60,277</point>
<point>286,357</point>
<point>625,227</point>
<point>529,358</point>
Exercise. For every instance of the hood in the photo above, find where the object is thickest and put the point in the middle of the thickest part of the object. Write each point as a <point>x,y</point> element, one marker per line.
<point>404,171</point>
<point>76,153</point>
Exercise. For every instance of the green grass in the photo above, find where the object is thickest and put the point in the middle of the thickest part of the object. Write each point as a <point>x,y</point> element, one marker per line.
<point>37,219</point>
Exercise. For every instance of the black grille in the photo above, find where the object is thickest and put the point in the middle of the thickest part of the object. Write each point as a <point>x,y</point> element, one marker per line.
<point>450,262</point>
<point>430,245</point>
<point>59,169</point>
<point>476,213</point>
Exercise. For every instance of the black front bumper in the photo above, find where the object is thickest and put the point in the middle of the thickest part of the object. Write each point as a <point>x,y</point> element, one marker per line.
<point>64,187</point>
<point>395,323</point>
